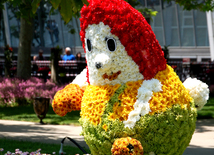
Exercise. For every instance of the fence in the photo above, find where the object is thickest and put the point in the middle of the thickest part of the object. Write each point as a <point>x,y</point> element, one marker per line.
<point>69,69</point>
<point>203,71</point>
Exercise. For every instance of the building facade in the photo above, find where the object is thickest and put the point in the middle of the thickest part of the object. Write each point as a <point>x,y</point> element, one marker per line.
<point>185,33</point>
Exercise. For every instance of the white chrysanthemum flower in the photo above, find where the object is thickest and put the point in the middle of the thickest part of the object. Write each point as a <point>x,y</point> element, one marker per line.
<point>134,115</point>
<point>111,62</point>
<point>81,79</point>
<point>198,90</point>
<point>145,109</point>
<point>153,85</point>
<point>129,123</point>
<point>141,106</point>
<point>144,94</point>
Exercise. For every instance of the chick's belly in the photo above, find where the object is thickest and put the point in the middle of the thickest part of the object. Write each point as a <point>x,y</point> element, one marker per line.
<point>162,132</point>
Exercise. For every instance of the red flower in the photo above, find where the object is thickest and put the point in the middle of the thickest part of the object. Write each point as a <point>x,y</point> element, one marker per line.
<point>11,49</point>
<point>132,29</point>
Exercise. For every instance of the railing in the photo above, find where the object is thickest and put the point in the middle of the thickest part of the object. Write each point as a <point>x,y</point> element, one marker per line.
<point>201,70</point>
<point>67,69</point>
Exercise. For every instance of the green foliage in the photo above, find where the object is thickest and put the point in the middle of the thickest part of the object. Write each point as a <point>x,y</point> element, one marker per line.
<point>166,52</point>
<point>35,5</point>
<point>133,3</point>
<point>147,13</point>
<point>26,113</point>
<point>68,8</point>
<point>25,8</point>
<point>1,4</point>
<point>207,5</point>
<point>55,3</point>
<point>207,111</point>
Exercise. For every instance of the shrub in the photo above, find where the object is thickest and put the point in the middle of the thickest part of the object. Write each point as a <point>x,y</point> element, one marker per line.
<point>24,91</point>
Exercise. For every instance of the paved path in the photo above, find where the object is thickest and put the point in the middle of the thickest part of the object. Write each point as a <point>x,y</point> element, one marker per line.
<point>202,142</point>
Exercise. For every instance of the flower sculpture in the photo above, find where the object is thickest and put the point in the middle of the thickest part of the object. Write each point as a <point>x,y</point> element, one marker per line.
<point>129,94</point>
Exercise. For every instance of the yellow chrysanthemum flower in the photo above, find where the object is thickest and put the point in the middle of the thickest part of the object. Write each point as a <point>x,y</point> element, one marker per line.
<point>128,98</point>
<point>105,127</point>
<point>173,92</point>
<point>94,101</point>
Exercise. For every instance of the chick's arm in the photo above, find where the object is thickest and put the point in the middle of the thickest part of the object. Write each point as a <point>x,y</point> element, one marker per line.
<point>69,98</point>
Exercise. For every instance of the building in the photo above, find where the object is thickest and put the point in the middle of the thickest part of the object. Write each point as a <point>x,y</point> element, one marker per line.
<point>184,32</point>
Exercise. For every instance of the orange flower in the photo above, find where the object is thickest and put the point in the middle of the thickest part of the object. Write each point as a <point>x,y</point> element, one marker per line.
<point>126,146</point>
<point>67,99</point>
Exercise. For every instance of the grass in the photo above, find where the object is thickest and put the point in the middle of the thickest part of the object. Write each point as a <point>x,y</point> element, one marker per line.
<point>26,113</point>
<point>26,146</point>
<point>208,110</point>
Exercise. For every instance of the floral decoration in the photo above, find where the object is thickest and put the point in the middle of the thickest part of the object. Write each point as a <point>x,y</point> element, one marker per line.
<point>131,95</point>
<point>173,92</point>
<point>94,102</point>
<point>81,79</point>
<point>131,28</point>
<point>67,99</point>
<point>198,90</point>
<point>128,145</point>
<point>117,67</point>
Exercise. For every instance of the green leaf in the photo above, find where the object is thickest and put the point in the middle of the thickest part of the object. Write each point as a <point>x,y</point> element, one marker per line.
<point>56,3</point>
<point>35,5</point>
<point>85,2</point>
<point>77,5</point>
<point>52,10</point>
<point>65,10</point>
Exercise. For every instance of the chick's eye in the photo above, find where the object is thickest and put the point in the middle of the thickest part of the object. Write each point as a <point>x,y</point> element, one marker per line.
<point>89,46</point>
<point>111,44</point>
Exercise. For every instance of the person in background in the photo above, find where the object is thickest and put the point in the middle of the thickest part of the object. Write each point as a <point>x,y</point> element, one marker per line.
<point>68,55</point>
<point>40,56</point>
<point>50,28</point>
<point>55,31</point>
<point>79,56</point>
<point>80,63</point>
<point>41,69</point>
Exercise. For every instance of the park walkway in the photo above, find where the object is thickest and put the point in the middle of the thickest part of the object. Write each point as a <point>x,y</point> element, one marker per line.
<point>202,142</point>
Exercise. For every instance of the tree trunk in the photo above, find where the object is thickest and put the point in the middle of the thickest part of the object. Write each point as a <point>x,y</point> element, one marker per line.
<point>24,51</point>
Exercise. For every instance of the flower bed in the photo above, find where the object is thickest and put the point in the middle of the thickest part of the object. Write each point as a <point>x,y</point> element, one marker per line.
<point>14,90</point>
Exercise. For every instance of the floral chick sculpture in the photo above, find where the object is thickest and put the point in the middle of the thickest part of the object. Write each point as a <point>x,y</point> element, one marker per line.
<point>131,101</point>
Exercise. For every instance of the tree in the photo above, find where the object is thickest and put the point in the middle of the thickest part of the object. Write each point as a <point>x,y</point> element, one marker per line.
<point>27,10</point>
<point>67,9</point>
<point>201,5</point>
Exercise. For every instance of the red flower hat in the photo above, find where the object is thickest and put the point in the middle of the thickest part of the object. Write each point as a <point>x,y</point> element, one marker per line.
<point>132,29</point>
